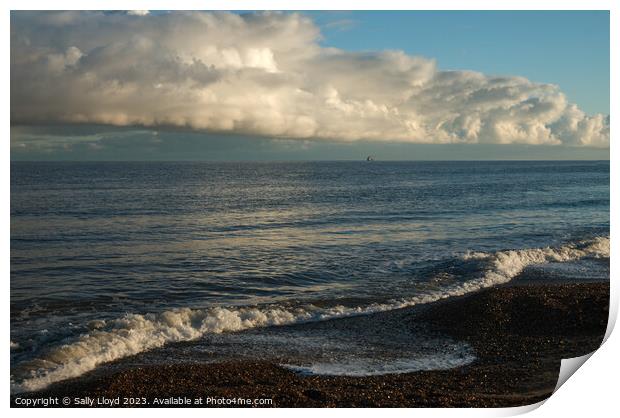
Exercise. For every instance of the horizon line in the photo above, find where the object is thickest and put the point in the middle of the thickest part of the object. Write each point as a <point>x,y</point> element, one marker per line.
<point>304,161</point>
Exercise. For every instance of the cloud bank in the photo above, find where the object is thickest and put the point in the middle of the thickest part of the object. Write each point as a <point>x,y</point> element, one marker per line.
<point>266,74</point>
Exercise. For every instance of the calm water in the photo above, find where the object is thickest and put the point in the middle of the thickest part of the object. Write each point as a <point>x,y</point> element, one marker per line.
<point>114,259</point>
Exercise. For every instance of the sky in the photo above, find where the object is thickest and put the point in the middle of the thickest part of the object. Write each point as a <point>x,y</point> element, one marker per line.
<point>309,86</point>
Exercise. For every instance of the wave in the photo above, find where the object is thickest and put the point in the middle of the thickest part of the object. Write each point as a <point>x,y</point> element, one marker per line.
<point>378,367</point>
<point>134,333</point>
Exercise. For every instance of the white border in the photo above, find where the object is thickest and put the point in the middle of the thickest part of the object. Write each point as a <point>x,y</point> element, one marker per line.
<point>313,5</point>
<point>591,391</point>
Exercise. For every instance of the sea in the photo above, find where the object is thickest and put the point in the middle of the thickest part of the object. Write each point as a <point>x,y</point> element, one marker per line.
<point>125,263</point>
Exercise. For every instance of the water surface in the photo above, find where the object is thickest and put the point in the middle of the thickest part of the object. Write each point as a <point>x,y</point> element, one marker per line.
<point>113,259</point>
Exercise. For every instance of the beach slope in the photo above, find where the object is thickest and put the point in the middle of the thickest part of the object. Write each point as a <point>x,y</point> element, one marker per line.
<point>520,332</point>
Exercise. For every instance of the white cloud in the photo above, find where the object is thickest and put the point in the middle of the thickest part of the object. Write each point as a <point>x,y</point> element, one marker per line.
<point>138,12</point>
<point>265,74</point>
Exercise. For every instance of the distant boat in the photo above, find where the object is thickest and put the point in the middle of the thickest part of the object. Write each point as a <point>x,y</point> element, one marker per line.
<point>370,158</point>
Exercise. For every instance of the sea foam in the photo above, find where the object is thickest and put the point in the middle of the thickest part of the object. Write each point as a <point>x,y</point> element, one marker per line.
<point>135,333</point>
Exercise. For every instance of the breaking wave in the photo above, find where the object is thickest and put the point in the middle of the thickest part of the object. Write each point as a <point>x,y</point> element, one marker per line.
<point>135,333</point>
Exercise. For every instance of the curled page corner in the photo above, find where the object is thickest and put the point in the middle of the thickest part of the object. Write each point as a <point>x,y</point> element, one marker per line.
<point>568,367</point>
<point>521,410</point>
<point>613,314</point>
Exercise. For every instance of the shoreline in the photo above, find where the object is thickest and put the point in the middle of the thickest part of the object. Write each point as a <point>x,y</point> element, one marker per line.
<point>519,331</point>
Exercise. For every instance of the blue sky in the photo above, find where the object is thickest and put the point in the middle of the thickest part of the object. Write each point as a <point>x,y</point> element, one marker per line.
<point>173,86</point>
<point>567,48</point>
